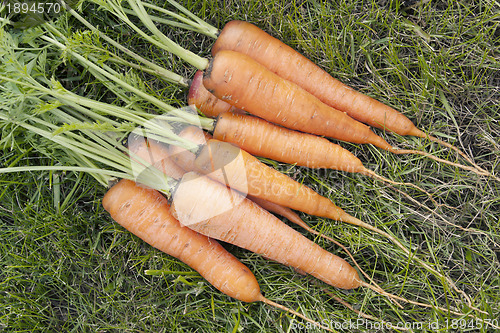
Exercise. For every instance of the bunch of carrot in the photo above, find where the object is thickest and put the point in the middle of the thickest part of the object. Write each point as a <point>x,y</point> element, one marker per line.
<point>237,83</point>
<point>285,108</point>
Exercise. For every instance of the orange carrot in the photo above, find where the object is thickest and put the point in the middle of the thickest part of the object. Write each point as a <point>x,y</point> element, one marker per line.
<point>206,102</point>
<point>283,60</point>
<point>289,64</point>
<point>261,138</point>
<point>262,181</point>
<point>146,213</point>
<point>153,153</point>
<point>248,85</point>
<point>249,226</point>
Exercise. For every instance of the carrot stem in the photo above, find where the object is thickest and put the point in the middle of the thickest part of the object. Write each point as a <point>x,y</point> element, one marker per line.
<point>199,26</point>
<point>169,75</point>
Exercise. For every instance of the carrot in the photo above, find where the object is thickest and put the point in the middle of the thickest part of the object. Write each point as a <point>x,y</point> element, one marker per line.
<point>153,153</point>
<point>206,102</point>
<point>249,226</point>
<point>214,210</point>
<point>248,85</point>
<point>289,64</point>
<point>261,138</point>
<point>146,213</point>
<point>157,151</point>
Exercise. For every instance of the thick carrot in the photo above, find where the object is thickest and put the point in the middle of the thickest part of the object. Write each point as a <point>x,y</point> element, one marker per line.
<point>283,60</point>
<point>260,180</point>
<point>289,64</point>
<point>248,85</point>
<point>262,138</point>
<point>146,213</point>
<point>249,226</point>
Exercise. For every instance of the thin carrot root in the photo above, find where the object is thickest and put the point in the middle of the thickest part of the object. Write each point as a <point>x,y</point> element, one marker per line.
<point>354,221</point>
<point>458,151</point>
<point>362,314</point>
<point>438,215</point>
<point>392,296</point>
<point>480,172</point>
<point>314,232</point>
<point>373,174</point>
<point>426,305</point>
<point>284,308</point>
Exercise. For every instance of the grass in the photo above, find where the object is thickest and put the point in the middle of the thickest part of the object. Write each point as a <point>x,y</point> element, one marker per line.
<point>73,269</point>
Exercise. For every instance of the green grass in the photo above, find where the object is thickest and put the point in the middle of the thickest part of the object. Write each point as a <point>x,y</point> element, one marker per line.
<point>73,269</point>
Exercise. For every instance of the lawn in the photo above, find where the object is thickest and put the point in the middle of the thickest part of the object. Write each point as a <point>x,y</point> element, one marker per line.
<point>66,266</point>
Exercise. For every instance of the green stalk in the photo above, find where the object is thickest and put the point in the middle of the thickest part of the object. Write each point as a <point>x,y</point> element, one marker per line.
<point>105,71</point>
<point>87,63</point>
<point>168,75</point>
<point>205,123</point>
<point>198,25</point>
<point>109,156</point>
<point>159,40</point>
<point>156,125</point>
<point>172,23</point>
<point>165,42</point>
